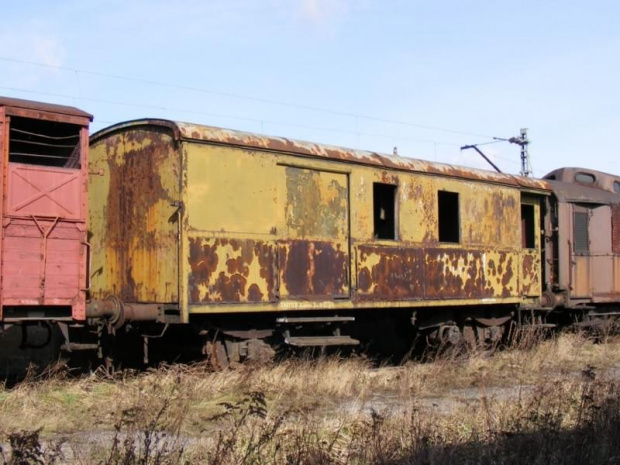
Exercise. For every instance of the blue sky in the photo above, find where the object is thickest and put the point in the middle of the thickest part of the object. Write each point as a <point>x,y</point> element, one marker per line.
<point>424,76</point>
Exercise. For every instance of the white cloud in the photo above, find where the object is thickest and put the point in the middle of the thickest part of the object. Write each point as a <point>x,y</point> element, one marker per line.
<point>322,12</point>
<point>47,50</point>
<point>32,41</point>
<point>322,15</point>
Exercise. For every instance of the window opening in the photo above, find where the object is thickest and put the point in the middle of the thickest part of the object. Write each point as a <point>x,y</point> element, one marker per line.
<point>528,229</point>
<point>384,201</point>
<point>47,143</point>
<point>448,216</point>
<point>580,232</point>
<point>617,187</point>
<point>585,178</point>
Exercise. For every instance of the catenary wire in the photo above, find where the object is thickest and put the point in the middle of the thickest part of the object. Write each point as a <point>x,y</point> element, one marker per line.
<point>245,97</point>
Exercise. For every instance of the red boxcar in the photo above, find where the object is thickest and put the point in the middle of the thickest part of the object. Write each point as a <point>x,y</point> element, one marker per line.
<point>43,243</point>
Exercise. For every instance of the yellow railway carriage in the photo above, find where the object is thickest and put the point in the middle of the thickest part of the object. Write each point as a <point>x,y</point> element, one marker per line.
<point>261,236</point>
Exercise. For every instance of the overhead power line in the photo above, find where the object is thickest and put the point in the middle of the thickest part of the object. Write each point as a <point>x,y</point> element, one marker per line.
<point>246,97</point>
<point>221,115</point>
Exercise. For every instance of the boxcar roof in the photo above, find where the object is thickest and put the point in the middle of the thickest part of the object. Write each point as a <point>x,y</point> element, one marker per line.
<point>600,180</point>
<point>576,193</point>
<point>48,107</point>
<point>219,136</point>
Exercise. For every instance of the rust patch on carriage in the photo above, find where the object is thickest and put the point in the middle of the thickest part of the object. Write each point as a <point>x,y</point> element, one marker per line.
<point>313,269</point>
<point>315,207</point>
<point>389,273</point>
<point>139,220</point>
<point>231,271</point>
<point>469,274</point>
<point>530,279</point>
<point>454,273</point>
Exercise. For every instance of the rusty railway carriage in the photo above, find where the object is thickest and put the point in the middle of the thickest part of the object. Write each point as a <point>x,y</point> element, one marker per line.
<point>584,244</point>
<point>238,242</point>
<point>253,238</point>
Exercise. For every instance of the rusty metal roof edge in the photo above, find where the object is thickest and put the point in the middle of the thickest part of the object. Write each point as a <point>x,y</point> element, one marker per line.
<point>135,123</point>
<point>215,135</point>
<point>41,106</point>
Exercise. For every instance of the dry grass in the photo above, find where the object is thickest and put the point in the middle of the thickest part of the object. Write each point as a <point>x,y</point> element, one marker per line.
<point>522,404</point>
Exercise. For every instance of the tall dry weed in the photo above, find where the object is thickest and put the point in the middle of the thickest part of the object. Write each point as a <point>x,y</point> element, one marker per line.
<point>333,410</point>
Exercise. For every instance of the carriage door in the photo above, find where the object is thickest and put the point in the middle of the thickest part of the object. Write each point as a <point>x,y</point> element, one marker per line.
<point>601,258</point>
<point>313,224</point>
<point>580,263</point>
<point>530,246</point>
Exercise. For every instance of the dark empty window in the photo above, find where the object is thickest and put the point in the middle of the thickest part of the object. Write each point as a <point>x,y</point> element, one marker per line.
<point>580,232</point>
<point>38,142</point>
<point>448,216</point>
<point>585,178</point>
<point>384,200</point>
<point>528,229</point>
